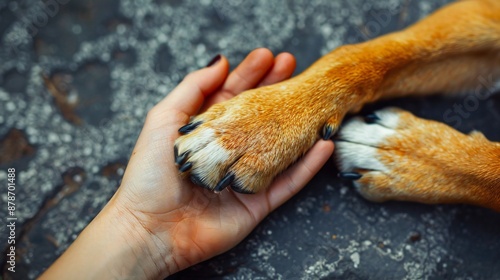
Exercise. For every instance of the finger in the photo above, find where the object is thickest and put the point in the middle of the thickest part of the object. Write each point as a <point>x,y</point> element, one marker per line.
<point>190,94</point>
<point>250,72</point>
<point>296,177</point>
<point>246,76</point>
<point>284,65</point>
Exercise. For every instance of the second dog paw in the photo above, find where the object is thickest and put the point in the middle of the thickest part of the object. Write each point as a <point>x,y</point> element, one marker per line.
<point>393,155</point>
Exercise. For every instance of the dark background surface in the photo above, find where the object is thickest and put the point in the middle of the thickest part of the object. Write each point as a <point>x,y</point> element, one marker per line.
<point>77,79</point>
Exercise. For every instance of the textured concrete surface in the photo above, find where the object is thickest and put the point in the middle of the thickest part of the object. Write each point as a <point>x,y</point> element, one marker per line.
<point>77,79</point>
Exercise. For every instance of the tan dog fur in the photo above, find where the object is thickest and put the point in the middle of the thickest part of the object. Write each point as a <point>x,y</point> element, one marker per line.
<point>248,140</point>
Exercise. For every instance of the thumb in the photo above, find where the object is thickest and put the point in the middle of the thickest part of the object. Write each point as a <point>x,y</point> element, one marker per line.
<point>298,175</point>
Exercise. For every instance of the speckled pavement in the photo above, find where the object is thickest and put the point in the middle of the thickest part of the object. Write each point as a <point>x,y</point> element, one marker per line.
<point>78,77</point>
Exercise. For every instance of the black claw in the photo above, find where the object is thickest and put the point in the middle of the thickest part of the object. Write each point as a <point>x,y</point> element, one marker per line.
<point>185,167</point>
<point>353,176</point>
<point>371,118</point>
<point>240,189</point>
<point>327,132</point>
<point>179,159</point>
<point>226,181</point>
<point>189,127</point>
<point>176,152</point>
<point>197,181</point>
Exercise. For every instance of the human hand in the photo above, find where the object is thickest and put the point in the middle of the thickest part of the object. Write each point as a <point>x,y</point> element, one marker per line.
<point>172,223</point>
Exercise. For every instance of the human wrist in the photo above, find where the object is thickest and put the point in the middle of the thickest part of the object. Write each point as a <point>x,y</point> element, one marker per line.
<point>138,252</point>
<point>113,246</point>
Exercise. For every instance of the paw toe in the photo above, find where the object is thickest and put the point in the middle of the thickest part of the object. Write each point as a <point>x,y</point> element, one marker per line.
<point>239,188</point>
<point>374,186</point>
<point>357,130</point>
<point>388,117</point>
<point>198,181</point>
<point>187,145</point>
<point>351,156</point>
<point>210,165</point>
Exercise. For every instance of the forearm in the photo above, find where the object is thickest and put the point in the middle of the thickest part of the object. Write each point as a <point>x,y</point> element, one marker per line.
<point>111,247</point>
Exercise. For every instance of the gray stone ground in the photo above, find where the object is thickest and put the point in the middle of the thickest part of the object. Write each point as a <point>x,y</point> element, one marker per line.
<point>107,62</point>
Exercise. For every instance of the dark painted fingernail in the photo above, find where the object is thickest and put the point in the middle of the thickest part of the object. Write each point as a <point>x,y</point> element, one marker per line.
<point>185,167</point>
<point>371,118</point>
<point>214,60</point>
<point>181,158</point>
<point>226,181</point>
<point>189,127</point>
<point>350,176</point>
<point>327,132</point>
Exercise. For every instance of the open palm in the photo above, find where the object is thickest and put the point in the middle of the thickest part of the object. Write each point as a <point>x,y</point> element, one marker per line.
<point>190,223</point>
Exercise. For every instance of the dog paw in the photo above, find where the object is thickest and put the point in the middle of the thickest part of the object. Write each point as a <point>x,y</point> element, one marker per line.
<point>393,155</point>
<point>248,140</point>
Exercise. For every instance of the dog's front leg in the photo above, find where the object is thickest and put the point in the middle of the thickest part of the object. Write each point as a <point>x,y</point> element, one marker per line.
<point>393,155</point>
<point>245,142</point>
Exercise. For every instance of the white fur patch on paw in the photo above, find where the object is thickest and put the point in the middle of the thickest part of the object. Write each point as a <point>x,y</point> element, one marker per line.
<point>194,144</point>
<point>358,141</point>
<point>351,156</point>
<point>389,117</point>
<point>209,162</point>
